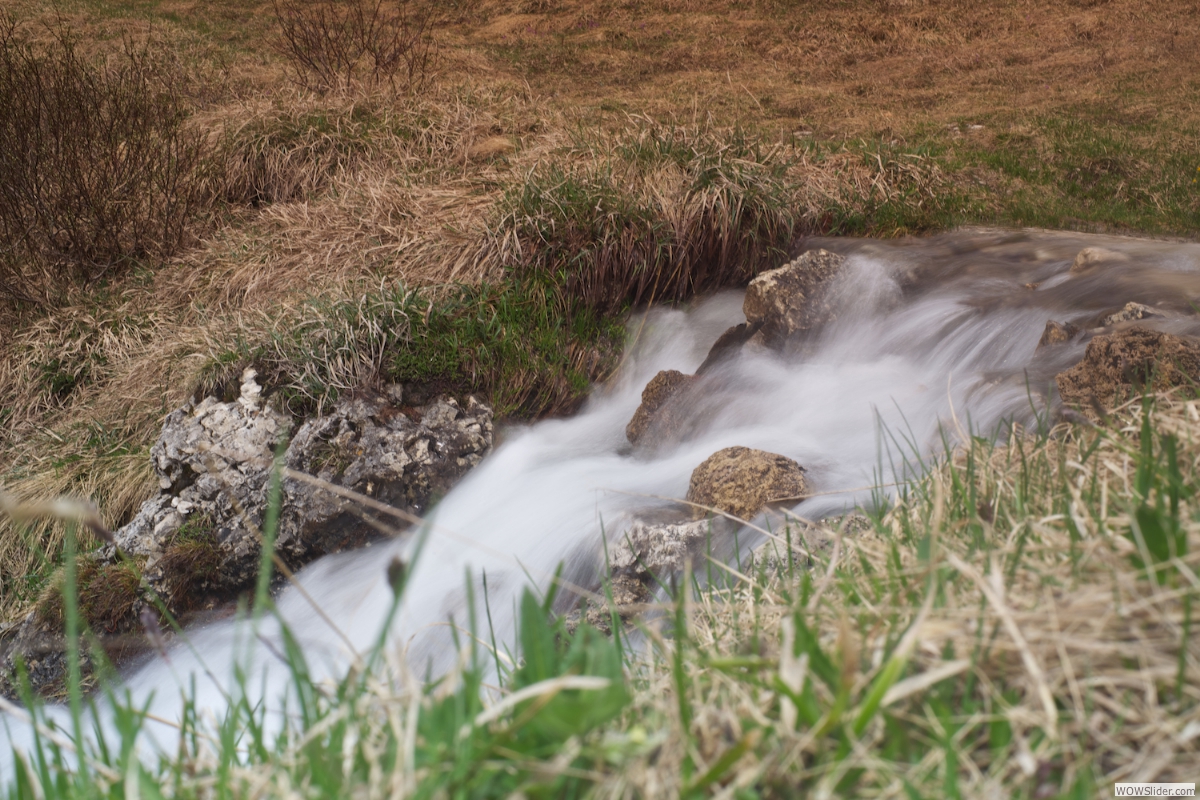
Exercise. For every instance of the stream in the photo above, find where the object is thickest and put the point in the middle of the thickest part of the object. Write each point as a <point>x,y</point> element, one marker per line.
<point>931,338</point>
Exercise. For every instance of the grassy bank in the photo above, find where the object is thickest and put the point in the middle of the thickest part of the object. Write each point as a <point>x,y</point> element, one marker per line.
<point>1018,624</point>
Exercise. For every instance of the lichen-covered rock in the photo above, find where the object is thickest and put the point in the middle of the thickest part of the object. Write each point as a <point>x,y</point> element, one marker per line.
<point>370,447</point>
<point>742,481</point>
<point>198,542</point>
<point>659,548</point>
<point>1129,360</point>
<point>658,393</point>
<point>647,554</point>
<point>213,462</point>
<point>787,301</point>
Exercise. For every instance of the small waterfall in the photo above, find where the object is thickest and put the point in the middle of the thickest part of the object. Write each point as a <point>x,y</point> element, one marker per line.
<point>930,337</point>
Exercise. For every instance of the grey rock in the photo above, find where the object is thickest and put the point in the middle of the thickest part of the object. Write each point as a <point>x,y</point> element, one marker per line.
<point>198,541</point>
<point>367,446</point>
<point>1132,312</point>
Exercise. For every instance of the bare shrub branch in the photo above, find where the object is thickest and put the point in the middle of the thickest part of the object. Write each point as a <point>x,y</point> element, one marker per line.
<point>96,166</point>
<point>334,45</point>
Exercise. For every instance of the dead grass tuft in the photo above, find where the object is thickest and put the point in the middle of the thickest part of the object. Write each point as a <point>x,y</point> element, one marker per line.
<point>1050,660</point>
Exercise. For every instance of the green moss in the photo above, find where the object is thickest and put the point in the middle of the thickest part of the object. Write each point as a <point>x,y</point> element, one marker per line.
<point>107,594</point>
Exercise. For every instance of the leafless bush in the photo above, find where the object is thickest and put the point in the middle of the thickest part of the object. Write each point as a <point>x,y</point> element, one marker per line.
<point>335,44</point>
<point>96,167</point>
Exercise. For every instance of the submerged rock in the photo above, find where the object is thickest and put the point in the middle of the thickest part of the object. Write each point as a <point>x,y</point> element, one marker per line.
<point>728,345</point>
<point>1090,257</point>
<point>1132,312</point>
<point>1128,360</point>
<point>742,481</point>
<point>657,394</point>
<point>787,300</point>
<point>1057,333</point>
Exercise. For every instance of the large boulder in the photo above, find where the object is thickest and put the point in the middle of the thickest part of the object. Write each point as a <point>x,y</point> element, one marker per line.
<point>368,446</point>
<point>789,300</point>
<point>198,543</point>
<point>742,481</point>
<point>1129,360</point>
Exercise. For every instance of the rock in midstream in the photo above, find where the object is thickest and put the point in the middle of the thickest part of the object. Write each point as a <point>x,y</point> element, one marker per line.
<point>779,305</point>
<point>657,395</point>
<point>739,481</point>
<point>197,543</point>
<point>790,300</point>
<point>743,481</point>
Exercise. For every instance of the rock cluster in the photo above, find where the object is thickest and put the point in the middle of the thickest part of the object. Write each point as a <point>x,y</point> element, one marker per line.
<point>781,306</point>
<point>737,481</point>
<point>198,542</point>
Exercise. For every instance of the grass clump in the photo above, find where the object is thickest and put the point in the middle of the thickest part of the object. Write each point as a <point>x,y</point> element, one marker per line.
<point>507,343</point>
<point>106,595</point>
<point>97,168</point>
<point>192,560</point>
<point>670,212</point>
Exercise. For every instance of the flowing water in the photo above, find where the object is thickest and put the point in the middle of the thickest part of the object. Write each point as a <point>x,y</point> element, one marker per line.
<point>931,338</point>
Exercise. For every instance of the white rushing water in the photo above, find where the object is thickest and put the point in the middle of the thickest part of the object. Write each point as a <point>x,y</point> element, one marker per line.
<point>927,332</point>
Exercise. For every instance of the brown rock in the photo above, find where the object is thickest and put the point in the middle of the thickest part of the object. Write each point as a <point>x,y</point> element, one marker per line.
<point>785,301</point>
<point>661,388</point>
<point>1057,333</point>
<point>1130,313</point>
<point>742,481</point>
<point>727,345</point>
<point>1089,257</point>
<point>1129,359</point>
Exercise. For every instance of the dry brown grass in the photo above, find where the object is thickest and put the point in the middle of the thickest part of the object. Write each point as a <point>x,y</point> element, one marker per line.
<point>1062,664</point>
